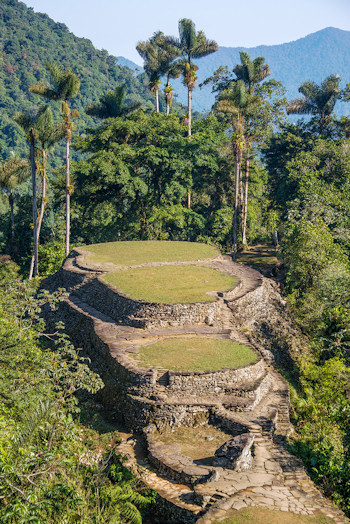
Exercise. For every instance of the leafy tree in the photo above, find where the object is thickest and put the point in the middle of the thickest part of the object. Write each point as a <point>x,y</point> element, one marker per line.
<point>52,468</point>
<point>66,86</point>
<point>12,173</point>
<point>48,133</point>
<point>251,72</point>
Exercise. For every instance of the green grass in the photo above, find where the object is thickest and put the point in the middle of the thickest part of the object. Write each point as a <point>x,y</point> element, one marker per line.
<point>133,253</point>
<point>262,257</point>
<point>170,284</point>
<point>267,516</point>
<point>195,354</point>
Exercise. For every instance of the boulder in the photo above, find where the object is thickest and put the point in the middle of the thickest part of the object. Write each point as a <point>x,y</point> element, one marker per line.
<point>236,453</point>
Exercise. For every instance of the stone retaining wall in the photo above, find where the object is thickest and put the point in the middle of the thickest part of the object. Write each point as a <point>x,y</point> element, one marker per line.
<point>107,299</point>
<point>265,317</point>
<point>169,461</point>
<point>132,394</point>
<point>214,381</point>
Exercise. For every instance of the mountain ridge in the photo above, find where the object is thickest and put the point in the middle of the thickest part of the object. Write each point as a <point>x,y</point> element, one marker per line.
<point>312,57</point>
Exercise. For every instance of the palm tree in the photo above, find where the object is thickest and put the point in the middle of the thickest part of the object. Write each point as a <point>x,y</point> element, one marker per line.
<point>171,69</point>
<point>237,102</point>
<point>192,44</point>
<point>39,127</point>
<point>13,172</point>
<point>27,122</point>
<point>111,105</point>
<point>66,86</point>
<point>252,73</point>
<point>48,133</point>
<point>157,57</point>
<point>317,100</point>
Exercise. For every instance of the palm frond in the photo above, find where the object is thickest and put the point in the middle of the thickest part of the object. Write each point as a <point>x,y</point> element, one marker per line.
<point>187,32</point>
<point>298,106</point>
<point>42,414</point>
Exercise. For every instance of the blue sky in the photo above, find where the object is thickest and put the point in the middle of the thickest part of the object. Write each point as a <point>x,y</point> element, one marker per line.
<point>117,25</point>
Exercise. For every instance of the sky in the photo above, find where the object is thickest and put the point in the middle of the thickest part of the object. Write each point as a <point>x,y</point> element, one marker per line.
<point>117,25</point>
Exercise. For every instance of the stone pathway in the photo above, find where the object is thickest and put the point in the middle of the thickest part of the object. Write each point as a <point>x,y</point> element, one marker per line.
<point>277,480</point>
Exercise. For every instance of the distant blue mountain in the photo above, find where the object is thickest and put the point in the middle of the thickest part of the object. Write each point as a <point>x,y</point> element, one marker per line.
<point>128,63</point>
<point>310,58</point>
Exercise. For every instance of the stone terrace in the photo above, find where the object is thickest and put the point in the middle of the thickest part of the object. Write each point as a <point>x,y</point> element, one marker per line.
<point>255,398</point>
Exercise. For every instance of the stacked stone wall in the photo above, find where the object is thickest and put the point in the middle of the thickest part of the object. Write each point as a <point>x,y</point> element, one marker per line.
<point>107,299</point>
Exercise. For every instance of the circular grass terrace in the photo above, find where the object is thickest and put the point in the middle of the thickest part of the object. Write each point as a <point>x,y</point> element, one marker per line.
<point>171,284</point>
<point>135,252</point>
<point>195,354</point>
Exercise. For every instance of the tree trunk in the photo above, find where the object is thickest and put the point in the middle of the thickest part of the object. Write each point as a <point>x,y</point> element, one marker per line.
<point>167,106</point>
<point>189,135</point>
<point>245,205</point>
<point>157,100</point>
<point>67,197</point>
<point>43,195</point>
<point>189,199</point>
<point>12,216</point>
<point>43,204</point>
<point>235,216</point>
<point>189,106</point>
<point>34,266</point>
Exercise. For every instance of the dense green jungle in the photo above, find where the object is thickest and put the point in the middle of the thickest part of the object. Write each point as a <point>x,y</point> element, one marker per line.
<point>238,177</point>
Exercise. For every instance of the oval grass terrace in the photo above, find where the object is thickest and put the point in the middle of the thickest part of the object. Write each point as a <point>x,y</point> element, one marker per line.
<point>134,252</point>
<point>152,284</point>
<point>195,354</point>
<point>185,284</point>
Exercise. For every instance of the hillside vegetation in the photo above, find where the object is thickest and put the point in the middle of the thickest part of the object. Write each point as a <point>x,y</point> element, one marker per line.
<point>28,41</point>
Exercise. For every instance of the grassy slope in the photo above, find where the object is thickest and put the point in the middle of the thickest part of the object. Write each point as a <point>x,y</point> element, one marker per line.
<point>195,354</point>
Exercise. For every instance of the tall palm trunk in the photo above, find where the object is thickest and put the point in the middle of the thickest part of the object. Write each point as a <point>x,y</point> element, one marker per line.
<point>33,271</point>
<point>235,216</point>
<point>43,194</point>
<point>67,197</point>
<point>189,199</point>
<point>245,205</point>
<point>157,99</point>
<point>43,202</point>
<point>168,97</point>
<point>12,215</point>
<point>189,105</point>
<point>189,133</point>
